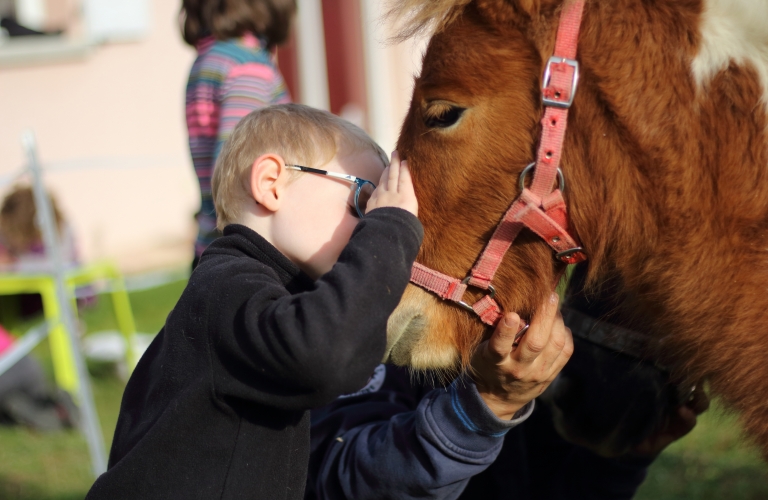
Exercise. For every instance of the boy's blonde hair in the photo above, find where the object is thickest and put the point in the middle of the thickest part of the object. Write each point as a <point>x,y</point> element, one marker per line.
<point>300,134</point>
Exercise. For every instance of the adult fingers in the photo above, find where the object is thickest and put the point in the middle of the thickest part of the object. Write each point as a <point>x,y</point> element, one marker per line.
<point>563,356</point>
<point>554,346</point>
<point>500,343</point>
<point>537,337</point>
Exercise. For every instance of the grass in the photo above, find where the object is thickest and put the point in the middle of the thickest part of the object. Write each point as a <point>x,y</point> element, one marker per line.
<point>56,466</point>
<point>712,462</point>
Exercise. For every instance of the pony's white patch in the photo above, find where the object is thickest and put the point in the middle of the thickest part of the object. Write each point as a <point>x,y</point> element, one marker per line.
<point>406,325</point>
<point>428,357</point>
<point>733,30</point>
<point>408,333</point>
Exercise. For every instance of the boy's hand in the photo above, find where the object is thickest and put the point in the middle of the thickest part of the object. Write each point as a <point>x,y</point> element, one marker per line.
<point>395,189</point>
<point>509,377</point>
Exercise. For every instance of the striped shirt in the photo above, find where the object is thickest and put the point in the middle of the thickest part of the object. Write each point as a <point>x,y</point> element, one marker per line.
<point>228,80</point>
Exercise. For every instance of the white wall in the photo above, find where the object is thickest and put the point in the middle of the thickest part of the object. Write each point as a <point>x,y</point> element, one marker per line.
<point>120,112</point>
<point>390,69</point>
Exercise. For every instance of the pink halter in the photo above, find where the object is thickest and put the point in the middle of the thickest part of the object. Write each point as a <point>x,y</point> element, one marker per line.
<point>539,208</point>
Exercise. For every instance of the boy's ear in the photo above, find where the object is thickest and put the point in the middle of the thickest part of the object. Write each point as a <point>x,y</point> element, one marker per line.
<point>267,181</point>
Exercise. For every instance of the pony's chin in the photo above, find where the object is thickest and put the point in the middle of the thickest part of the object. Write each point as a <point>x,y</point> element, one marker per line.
<point>413,333</point>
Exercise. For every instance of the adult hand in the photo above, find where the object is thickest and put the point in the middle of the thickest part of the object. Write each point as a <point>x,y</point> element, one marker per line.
<point>395,188</point>
<point>676,425</point>
<point>508,377</point>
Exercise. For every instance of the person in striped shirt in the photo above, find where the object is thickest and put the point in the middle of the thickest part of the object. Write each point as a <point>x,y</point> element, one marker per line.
<point>234,73</point>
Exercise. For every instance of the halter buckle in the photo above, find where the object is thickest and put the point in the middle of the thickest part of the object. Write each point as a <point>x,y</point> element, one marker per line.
<point>556,103</point>
<point>491,293</point>
<point>565,255</point>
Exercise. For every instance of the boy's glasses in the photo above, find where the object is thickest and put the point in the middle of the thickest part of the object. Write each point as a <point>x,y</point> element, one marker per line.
<point>363,188</point>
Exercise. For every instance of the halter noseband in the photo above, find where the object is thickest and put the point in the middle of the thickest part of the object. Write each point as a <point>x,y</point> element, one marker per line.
<point>539,208</point>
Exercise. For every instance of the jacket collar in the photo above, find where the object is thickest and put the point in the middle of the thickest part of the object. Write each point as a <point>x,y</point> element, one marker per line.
<point>252,244</point>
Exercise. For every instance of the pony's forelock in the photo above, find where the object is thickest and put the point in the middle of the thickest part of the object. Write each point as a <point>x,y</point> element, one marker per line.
<point>421,17</point>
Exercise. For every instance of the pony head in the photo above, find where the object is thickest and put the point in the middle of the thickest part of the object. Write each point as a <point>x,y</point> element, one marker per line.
<point>472,127</point>
<point>665,165</point>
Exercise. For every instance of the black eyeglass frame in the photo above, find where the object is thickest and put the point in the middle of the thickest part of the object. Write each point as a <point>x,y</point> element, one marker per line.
<point>344,177</point>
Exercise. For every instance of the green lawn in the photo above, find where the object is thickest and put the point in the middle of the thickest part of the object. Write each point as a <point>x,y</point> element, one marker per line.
<point>56,466</point>
<point>713,462</point>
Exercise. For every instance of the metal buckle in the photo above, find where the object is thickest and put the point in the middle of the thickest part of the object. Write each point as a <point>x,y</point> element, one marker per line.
<point>491,292</point>
<point>526,170</point>
<point>519,335</point>
<point>567,253</point>
<point>547,75</point>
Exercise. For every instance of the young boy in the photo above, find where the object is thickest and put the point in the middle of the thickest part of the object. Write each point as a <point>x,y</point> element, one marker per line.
<point>284,313</point>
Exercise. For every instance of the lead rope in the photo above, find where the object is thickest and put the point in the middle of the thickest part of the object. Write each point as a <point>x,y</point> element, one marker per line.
<point>539,208</point>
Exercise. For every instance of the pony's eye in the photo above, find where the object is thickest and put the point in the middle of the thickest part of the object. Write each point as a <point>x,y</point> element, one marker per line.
<point>442,115</point>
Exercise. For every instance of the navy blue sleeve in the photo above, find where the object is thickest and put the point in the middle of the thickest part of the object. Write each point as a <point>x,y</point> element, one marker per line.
<point>402,441</point>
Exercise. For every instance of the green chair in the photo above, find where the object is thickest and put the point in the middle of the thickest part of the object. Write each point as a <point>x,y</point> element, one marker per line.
<point>64,368</point>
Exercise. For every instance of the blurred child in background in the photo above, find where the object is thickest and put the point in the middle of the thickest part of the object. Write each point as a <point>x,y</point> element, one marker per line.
<point>234,74</point>
<point>21,244</point>
<point>25,396</point>
<point>22,249</point>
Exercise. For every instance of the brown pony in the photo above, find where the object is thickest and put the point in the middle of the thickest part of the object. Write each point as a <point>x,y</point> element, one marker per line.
<point>666,164</point>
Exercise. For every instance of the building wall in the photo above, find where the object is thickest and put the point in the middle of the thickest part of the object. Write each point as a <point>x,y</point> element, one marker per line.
<point>110,126</point>
<point>110,129</point>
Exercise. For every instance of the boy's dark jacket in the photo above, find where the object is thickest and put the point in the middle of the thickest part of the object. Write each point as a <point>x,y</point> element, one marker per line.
<point>217,406</point>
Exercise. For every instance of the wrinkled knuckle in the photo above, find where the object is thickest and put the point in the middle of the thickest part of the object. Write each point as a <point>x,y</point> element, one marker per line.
<point>535,346</point>
<point>558,343</point>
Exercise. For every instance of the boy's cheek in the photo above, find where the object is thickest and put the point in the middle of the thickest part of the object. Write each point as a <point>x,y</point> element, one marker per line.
<point>337,244</point>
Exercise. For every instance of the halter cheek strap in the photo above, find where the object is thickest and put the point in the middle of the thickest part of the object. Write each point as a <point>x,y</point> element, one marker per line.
<point>539,207</point>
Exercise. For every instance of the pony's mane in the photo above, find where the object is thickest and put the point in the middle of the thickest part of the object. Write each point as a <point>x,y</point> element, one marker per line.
<point>421,17</point>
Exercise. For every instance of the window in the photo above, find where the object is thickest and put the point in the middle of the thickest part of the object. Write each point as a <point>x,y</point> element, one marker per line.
<point>37,31</point>
<point>23,18</point>
<point>116,20</point>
